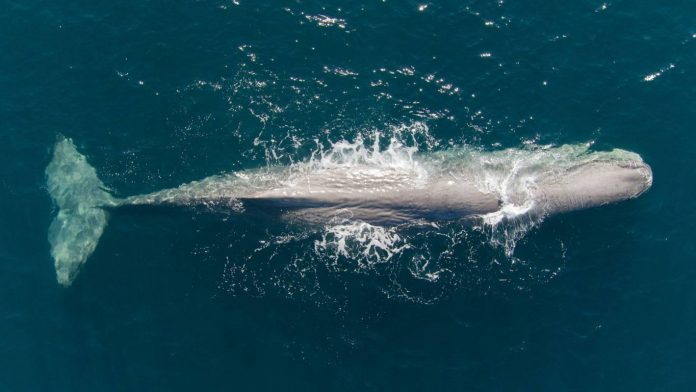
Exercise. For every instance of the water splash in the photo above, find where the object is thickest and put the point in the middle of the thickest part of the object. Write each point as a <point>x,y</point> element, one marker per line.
<point>421,261</point>
<point>362,242</point>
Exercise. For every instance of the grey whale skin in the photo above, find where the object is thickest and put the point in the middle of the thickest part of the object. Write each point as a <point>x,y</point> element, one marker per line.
<point>439,186</point>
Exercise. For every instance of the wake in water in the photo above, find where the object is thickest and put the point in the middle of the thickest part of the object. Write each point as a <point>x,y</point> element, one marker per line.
<point>376,206</point>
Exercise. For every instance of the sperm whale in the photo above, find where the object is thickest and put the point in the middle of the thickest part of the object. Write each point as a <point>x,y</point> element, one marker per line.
<point>384,187</point>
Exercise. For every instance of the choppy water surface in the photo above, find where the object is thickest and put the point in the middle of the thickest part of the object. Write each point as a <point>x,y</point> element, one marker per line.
<point>158,94</point>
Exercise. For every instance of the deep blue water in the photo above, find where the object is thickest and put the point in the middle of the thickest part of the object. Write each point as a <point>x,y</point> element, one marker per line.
<point>158,93</point>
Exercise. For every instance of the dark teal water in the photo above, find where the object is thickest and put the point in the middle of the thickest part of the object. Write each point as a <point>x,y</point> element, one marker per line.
<point>157,93</point>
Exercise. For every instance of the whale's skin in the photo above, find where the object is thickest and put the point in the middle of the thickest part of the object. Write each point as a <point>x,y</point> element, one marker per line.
<point>382,188</point>
<point>593,185</point>
<point>391,197</point>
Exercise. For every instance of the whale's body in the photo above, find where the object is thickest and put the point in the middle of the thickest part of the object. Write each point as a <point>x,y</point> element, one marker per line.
<point>383,197</point>
<point>459,184</point>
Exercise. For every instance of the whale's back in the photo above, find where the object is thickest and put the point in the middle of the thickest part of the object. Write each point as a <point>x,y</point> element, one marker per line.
<point>380,197</point>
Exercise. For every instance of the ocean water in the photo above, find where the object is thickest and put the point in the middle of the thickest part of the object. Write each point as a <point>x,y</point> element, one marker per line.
<point>158,93</point>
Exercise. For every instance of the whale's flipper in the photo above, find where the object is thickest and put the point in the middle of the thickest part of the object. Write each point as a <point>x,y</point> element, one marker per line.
<point>80,195</point>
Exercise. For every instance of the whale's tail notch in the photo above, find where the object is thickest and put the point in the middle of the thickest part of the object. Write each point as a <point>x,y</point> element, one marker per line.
<point>80,197</point>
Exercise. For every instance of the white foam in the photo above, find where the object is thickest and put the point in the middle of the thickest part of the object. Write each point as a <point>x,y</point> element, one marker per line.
<point>655,75</point>
<point>360,241</point>
<point>327,21</point>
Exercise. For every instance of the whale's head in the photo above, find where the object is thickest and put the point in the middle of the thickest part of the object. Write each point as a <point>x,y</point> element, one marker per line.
<point>636,175</point>
<point>597,182</point>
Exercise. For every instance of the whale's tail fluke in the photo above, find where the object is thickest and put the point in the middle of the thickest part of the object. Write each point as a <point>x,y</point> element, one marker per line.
<point>79,195</point>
